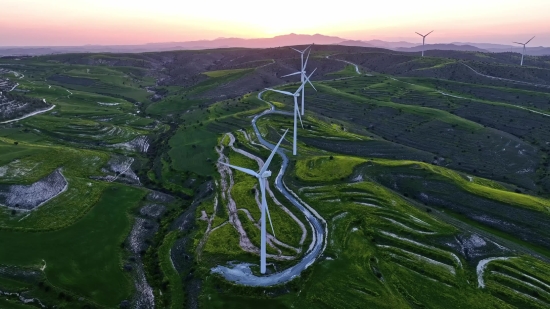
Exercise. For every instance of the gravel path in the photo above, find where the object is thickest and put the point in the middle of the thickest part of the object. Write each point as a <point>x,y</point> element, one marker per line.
<point>30,115</point>
<point>505,79</point>
<point>355,65</point>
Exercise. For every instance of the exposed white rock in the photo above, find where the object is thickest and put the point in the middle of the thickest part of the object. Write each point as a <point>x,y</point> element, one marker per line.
<point>28,197</point>
<point>139,144</point>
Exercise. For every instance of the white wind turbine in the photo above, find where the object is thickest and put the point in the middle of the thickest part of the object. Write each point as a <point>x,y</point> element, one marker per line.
<point>523,53</point>
<point>296,108</point>
<point>423,40</point>
<point>262,176</point>
<point>303,73</point>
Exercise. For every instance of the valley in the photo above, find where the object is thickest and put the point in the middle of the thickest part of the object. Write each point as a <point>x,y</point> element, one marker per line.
<point>413,175</point>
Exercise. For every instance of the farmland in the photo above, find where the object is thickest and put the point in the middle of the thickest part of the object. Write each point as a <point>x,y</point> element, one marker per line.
<point>431,180</point>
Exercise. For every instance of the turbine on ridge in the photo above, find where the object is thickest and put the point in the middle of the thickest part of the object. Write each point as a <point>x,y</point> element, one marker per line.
<point>523,53</point>
<point>295,95</point>
<point>262,176</point>
<point>302,72</point>
<point>423,40</point>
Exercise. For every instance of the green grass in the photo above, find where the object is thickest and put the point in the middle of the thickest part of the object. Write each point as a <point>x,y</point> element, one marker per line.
<point>222,73</point>
<point>482,187</point>
<point>176,286</point>
<point>224,242</point>
<point>75,256</point>
<point>183,100</point>
<point>326,169</point>
<point>14,304</point>
<point>349,70</point>
<point>36,161</point>
<point>420,111</point>
<point>79,233</point>
<point>194,142</point>
<point>356,258</point>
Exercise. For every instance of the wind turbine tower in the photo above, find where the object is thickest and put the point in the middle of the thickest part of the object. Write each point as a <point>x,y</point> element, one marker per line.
<point>523,53</point>
<point>423,40</point>
<point>262,176</point>
<point>295,95</point>
<point>302,72</point>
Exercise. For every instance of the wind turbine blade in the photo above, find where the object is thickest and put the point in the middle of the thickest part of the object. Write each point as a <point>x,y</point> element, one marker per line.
<point>295,50</point>
<point>292,74</point>
<point>518,43</point>
<point>311,73</point>
<point>429,33</point>
<point>304,84</point>
<point>280,91</point>
<point>305,63</point>
<point>529,40</point>
<point>307,79</point>
<point>311,85</point>
<point>270,222</point>
<point>264,203</point>
<point>297,111</point>
<point>268,161</point>
<point>242,169</point>
<point>419,34</point>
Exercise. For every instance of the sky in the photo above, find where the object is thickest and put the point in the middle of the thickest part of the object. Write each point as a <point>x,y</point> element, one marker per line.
<point>123,22</point>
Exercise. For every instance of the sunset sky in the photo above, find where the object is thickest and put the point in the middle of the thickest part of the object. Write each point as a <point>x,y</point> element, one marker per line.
<point>118,22</point>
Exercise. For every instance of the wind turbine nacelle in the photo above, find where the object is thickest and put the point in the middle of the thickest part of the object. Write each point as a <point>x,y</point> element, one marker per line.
<point>266,174</point>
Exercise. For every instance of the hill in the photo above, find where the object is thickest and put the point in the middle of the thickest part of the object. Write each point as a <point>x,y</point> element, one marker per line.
<point>441,47</point>
<point>277,41</point>
<point>420,182</point>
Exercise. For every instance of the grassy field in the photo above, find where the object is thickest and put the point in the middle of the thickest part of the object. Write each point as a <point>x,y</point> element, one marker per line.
<point>75,255</point>
<point>78,234</point>
<point>196,138</point>
<point>349,70</point>
<point>422,171</point>
<point>382,243</point>
<point>176,286</point>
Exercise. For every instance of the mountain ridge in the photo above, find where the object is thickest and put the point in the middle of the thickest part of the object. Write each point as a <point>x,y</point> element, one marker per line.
<point>276,41</point>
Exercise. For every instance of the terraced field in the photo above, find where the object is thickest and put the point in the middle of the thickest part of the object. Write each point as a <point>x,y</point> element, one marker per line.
<point>407,214</point>
<point>430,177</point>
<point>62,171</point>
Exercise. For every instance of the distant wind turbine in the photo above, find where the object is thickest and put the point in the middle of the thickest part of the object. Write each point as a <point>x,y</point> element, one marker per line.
<point>303,73</point>
<point>262,176</point>
<point>424,40</point>
<point>296,109</point>
<point>523,53</point>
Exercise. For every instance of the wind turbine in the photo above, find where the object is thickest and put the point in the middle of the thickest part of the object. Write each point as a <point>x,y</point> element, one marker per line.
<point>302,72</point>
<point>262,176</point>
<point>523,53</point>
<point>423,40</point>
<point>296,108</point>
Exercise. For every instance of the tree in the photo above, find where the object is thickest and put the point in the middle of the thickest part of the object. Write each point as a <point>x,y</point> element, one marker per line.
<point>16,143</point>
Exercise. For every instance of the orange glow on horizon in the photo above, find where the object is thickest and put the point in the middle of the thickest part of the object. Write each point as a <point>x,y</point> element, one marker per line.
<point>80,22</point>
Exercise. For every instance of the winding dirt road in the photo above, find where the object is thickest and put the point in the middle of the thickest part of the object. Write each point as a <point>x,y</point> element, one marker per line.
<point>241,273</point>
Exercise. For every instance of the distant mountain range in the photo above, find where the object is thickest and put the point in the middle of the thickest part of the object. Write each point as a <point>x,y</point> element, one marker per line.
<point>456,46</point>
<point>277,41</point>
